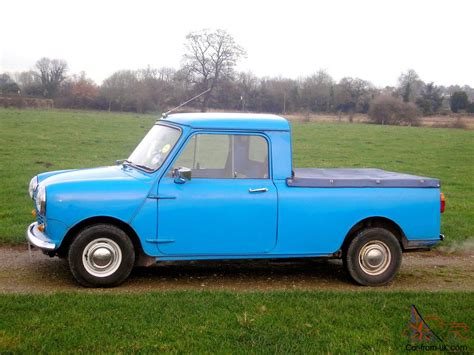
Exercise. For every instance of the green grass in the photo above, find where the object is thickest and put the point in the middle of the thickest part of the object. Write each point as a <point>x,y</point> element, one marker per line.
<point>221,322</point>
<point>34,141</point>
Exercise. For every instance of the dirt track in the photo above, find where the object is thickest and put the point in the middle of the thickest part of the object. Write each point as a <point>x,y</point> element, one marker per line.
<point>432,271</point>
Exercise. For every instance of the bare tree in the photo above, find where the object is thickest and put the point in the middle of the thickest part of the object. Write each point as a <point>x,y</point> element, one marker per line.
<point>353,95</point>
<point>166,73</point>
<point>51,73</point>
<point>248,88</point>
<point>317,92</point>
<point>120,88</point>
<point>410,86</point>
<point>209,57</point>
<point>154,88</point>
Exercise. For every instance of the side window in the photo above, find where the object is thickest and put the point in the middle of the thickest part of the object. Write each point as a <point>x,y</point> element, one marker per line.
<point>186,159</point>
<point>208,156</point>
<point>251,157</point>
<point>212,151</point>
<point>220,156</point>
<point>258,149</point>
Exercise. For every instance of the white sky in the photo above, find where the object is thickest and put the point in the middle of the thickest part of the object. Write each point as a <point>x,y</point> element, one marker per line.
<point>374,40</point>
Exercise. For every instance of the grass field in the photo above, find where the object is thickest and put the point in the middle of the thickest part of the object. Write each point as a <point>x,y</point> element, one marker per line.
<point>220,322</point>
<point>34,141</point>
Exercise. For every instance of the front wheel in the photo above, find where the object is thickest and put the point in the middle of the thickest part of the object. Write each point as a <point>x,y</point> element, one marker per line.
<point>101,255</point>
<point>373,257</point>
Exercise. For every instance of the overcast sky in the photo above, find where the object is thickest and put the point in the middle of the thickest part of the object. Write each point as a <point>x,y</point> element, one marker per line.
<point>374,40</point>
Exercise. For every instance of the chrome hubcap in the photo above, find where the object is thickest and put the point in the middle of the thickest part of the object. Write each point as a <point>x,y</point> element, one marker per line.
<point>375,257</point>
<point>102,257</point>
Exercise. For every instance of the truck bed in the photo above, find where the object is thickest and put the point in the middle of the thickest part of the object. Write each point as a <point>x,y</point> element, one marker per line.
<point>310,177</point>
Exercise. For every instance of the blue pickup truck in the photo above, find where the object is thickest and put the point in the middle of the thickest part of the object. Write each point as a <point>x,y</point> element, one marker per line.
<point>223,186</point>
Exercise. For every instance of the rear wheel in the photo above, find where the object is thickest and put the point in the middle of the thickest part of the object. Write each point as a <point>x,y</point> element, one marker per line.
<point>373,257</point>
<point>101,255</point>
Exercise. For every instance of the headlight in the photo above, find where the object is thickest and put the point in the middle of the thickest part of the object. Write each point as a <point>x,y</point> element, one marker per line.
<point>33,186</point>
<point>41,199</point>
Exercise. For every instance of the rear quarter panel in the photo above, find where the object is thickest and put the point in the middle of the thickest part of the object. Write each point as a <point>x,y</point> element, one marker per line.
<point>316,220</point>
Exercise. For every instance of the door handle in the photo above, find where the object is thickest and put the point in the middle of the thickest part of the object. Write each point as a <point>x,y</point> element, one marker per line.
<point>262,189</point>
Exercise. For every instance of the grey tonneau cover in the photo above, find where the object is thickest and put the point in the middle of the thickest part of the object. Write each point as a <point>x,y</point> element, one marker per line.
<point>357,178</point>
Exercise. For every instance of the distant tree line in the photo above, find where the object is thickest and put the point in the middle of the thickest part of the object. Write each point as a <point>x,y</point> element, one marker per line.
<point>208,63</point>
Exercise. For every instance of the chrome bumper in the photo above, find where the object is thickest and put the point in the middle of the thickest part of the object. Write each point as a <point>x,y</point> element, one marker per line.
<point>37,238</point>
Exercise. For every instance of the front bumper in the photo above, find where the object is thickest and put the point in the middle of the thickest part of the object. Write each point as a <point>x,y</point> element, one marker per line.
<point>38,239</point>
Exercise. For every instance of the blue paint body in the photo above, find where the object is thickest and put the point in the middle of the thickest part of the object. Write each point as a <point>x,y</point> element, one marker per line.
<point>219,218</point>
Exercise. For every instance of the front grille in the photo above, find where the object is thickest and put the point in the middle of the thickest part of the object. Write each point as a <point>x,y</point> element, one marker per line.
<point>39,218</point>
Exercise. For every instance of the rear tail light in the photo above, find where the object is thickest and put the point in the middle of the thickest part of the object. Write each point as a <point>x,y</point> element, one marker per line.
<point>443,202</point>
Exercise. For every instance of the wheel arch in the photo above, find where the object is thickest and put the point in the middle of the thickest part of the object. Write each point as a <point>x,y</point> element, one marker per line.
<point>376,221</point>
<point>73,231</point>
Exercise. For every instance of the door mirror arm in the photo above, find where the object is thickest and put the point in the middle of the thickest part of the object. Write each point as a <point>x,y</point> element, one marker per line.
<point>181,175</point>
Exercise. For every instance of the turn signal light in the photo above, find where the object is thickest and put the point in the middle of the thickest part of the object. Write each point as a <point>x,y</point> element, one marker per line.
<point>33,213</point>
<point>41,228</point>
<point>443,202</point>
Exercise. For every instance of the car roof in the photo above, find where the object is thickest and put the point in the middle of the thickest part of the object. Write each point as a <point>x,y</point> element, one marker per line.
<point>222,120</point>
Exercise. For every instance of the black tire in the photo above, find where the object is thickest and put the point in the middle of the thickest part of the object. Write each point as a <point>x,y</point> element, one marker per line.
<point>373,257</point>
<point>101,255</point>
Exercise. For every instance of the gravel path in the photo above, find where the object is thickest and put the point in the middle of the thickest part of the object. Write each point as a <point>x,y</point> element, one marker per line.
<point>429,271</point>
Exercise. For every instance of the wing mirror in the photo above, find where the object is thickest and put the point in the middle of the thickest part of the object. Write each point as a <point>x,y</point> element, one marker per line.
<point>181,175</point>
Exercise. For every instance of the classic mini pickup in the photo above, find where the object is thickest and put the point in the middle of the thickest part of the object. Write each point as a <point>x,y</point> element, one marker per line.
<point>205,186</point>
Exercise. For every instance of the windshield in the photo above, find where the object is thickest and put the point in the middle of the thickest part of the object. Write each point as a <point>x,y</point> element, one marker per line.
<point>155,147</point>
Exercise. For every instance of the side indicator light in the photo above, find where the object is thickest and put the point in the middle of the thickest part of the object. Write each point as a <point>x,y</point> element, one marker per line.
<point>33,213</point>
<point>443,202</point>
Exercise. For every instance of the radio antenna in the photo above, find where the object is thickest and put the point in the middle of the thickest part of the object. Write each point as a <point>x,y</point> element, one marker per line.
<point>164,115</point>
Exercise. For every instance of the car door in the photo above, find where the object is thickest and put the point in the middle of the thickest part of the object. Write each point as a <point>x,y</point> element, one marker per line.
<point>229,207</point>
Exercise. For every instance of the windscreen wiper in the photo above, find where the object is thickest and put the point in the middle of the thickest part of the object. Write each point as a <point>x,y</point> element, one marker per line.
<point>131,163</point>
<point>144,167</point>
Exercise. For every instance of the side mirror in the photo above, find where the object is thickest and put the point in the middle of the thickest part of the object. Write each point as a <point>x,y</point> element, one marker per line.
<point>181,175</point>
